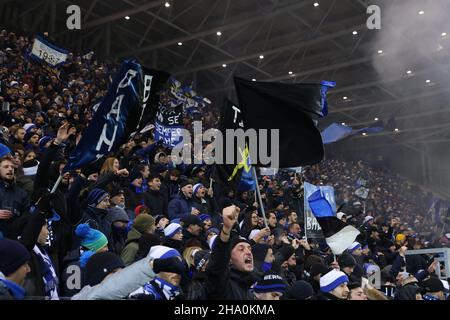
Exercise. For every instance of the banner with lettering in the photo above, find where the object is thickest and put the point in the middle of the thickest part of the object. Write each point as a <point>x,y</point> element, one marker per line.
<point>126,109</point>
<point>45,51</point>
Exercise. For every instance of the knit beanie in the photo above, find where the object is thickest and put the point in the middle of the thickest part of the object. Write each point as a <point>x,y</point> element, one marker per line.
<point>286,252</point>
<point>197,187</point>
<point>135,174</point>
<point>91,239</point>
<point>185,182</point>
<point>162,252</point>
<point>172,229</point>
<point>143,222</point>
<point>318,268</point>
<point>172,264</point>
<point>13,255</point>
<point>300,290</point>
<point>100,265</point>
<point>212,229</point>
<point>96,196</point>
<point>4,150</point>
<point>270,282</point>
<point>204,217</point>
<point>201,258</point>
<point>118,214</point>
<point>355,246</point>
<point>346,260</point>
<point>332,279</point>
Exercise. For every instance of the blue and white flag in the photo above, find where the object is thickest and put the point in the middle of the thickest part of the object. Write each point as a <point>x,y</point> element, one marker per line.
<point>45,51</point>
<point>338,235</point>
<point>169,125</point>
<point>124,111</point>
<point>336,132</point>
<point>312,227</point>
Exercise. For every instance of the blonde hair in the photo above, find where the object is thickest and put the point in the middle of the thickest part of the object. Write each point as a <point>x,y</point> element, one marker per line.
<point>108,165</point>
<point>188,255</point>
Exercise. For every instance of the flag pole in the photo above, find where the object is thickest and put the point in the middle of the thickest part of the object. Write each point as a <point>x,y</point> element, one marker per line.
<point>57,183</point>
<point>259,196</point>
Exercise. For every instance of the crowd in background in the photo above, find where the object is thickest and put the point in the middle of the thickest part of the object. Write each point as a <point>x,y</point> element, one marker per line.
<point>136,226</point>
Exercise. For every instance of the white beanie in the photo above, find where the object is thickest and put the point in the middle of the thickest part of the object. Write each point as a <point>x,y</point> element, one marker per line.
<point>162,252</point>
<point>196,187</point>
<point>172,229</point>
<point>355,245</point>
<point>331,280</point>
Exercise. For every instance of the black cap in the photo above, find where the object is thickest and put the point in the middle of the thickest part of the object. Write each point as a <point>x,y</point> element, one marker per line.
<point>191,220</point>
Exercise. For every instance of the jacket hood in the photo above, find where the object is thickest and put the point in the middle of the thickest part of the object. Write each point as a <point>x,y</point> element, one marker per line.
<point>133,235</point>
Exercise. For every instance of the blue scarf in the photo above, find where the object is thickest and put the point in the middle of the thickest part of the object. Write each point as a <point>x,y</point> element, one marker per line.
<point>169,290</point>
<point>49,275</point>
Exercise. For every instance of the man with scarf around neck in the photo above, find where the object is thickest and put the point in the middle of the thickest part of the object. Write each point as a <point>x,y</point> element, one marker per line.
<point>168,270</point>
<point>229,271</point>
<point>134,195</point>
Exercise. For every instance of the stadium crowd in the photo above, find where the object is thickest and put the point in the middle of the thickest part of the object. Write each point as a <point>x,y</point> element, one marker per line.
<point>135,226</point>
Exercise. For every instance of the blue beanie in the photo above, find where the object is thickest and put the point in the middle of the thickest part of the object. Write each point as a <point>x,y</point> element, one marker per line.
<point>91,239</point>
<point>4,150</point>
<point>204,217</point>
<point>43,141</point>
<point>96,196</point>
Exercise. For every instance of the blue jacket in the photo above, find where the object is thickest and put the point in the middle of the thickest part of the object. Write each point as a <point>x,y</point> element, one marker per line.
<point>179,207</point>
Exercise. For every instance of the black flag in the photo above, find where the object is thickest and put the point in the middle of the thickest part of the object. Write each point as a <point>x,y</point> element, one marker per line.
<point>291,108</point>
<point>230,118</point>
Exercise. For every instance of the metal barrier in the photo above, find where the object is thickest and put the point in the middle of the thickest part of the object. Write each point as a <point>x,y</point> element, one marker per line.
<point>444,257</point>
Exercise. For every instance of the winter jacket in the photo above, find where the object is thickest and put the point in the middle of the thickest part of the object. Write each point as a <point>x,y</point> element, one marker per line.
<point>205,205</point>
<point>10,291</point>
<point>120,284</point>
<point>179,207</point>
<point>224,282</point>
<point>15,199</point>
<point>132,198</point>
<point>156,202</point>
<point>326,296</point>
<point>131,247</point>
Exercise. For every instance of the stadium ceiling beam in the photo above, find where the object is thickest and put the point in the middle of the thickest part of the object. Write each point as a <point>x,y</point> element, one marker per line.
<point>202,40</point>
<point>89,11</point>
<point>238,22</point>
<point>341,65</point>
<point>252,56</point>
<point>123,13</point>
<point>428,94</point>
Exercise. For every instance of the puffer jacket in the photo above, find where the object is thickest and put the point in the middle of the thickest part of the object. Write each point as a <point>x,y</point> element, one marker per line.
<point>179,207</point>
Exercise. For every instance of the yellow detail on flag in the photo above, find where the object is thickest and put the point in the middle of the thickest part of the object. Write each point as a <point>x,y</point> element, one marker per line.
<point>243,164</point>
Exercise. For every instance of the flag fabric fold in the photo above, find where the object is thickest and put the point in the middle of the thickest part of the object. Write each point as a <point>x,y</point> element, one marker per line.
<point>338,235</point>
<point>290,108</point>
<point>126,109</point>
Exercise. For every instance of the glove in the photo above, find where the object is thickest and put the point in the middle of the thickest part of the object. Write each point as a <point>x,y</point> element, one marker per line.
<point>173,265</point>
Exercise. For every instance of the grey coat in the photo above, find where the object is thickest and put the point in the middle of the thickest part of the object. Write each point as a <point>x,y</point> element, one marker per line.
<point>120,284</point>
